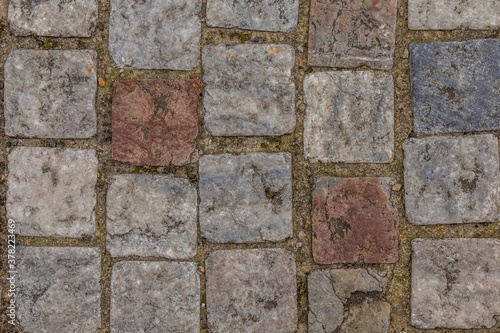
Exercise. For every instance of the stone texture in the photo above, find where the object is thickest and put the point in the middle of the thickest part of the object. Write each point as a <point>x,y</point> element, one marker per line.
<point>151,215</point>
<point>155,122</point>
<point>456,86</point>
<point>267,15</point>
<point>455,283</point>
<point>354,221</point>
<point>453,14</point>
<point>51,192</point>
<point>452,179</point>
<point>245,198</point>
<point>251,291</point>
<point>348,300</point>
<point>58,289</point>
<point>54,18</point>
<point>155,297</point>
<point>349,117</point>
<point>249,89</point>
<point>155,34</point>
<point>352,33</point>
<point>50,94</point>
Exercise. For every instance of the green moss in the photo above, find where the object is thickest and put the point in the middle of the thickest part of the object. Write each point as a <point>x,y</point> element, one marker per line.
<point>242,36</point>
<point>2,26</point>
<point>81,45</point>
<point>48,43</point>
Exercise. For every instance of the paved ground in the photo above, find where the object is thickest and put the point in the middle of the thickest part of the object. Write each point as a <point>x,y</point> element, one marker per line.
<point>242,166</point>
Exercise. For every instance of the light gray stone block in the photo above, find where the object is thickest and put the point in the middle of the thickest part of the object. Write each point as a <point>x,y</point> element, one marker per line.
<point>249,89</point>
<point>349,117</point>
<point>267,15</point>
<point>155,34</point>
<point>452,179</point>
<point>151,215</point>
<point>155,297</point>
<point>453,14</point>
<point>245,198</point>
<point>455,283</point>
<point>54,18</point>
<point>50,94</point>
<point>51,192</point>
<point>251,291</point>
<point>58,289</point>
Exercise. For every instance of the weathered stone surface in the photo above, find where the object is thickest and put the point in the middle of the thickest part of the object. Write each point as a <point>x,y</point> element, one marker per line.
<point>155,122</point>
<point>456,86</point>
<point>58,289</point>
<point>349,117</point>
<point>151,215</point>
<point>50,94</point>
<point>51,192</point>
<point>455,283</point>
<point>155,297</point>
<point>251,291</point>
<point>155,34</point>
<point>249,89</point>
<point>348,300</point>
<point>352,33</point>
<point>452,14</point>
<point>246,198</point>
<point>55,18</point>
<point>452,179</point>
<point>267,15</point>
<point>354,220</point>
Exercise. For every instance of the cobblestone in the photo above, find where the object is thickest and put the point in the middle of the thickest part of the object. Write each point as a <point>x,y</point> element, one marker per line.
<point>151,215</point>
<point>51,192</point>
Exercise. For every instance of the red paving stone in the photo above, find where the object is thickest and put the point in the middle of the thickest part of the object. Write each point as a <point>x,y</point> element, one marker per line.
<point>155,122</point>
<point>354,221</point>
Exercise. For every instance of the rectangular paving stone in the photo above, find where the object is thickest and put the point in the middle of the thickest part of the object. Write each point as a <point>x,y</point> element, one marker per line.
<point>455,283</point>
<point>251,291</point>
<point>348,300</point>
<point>155,34</point>
<point>249,89</point>
<point>354,220</point>
<point>51,192</point>
<point>452,179</point>
<point>352,33</point>
<point>349,117</point>
<point>58,289</point>
<point>456,86</point>
<point>54,18</point>
<point>151,215</point>
<point>155,122</point>
<point>50,94</point>
<point>155,297</point>
<point>267,15</point>
<point>245,198</point>
<point>452,14</point>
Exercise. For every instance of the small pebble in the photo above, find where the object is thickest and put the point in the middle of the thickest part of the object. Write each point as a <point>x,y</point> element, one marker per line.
<point>397,187</point>
<point>412,135</point>
<point>52,143</point>
<point>256,39</point>
<point>14,143</point>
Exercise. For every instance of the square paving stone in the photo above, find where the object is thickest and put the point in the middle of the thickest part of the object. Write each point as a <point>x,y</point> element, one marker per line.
<point>58,289</point>
<point>54,18</point>
<point>349,117</point>
<point>249,89</point>
<point>456,86</point>
<point>352,33</point>
<point>348,300</point>
<point>455,283</point>
<point>452,179</point>
<point>50,94</point>
<point>251,291</point>
<point>155,34</point>
<point>155,122</point>
<point>267,15</point>
<point>246,198</point>
<point>51,192</point>
<point>151,215</point>
<point>354,220</point>
<point>155,297</point>
<point>453,14</point>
